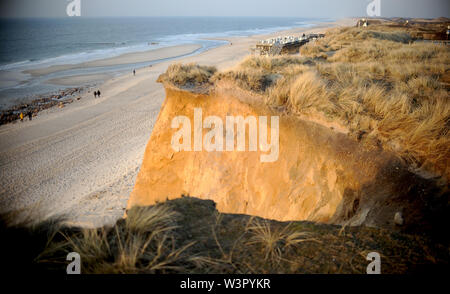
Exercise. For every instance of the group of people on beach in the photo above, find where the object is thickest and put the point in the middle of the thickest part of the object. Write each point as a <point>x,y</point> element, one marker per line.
<point>29,114</point>
<point>97,93</point>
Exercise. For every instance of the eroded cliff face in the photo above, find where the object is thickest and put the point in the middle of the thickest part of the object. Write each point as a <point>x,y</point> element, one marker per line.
<point>320,175</point>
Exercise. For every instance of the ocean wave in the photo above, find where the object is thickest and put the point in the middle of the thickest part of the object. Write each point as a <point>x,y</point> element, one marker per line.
<point>305,24</point>
<point>79,57</point>
<point>14,64</point>
<point>233,33</point>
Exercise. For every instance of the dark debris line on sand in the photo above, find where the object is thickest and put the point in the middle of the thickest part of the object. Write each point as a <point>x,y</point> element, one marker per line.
<point>44,101</point>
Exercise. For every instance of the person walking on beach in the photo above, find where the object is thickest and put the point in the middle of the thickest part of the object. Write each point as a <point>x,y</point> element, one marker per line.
<point>134,72</point>
<point>98,93</point>
<point>21,116</point>
<point>30,115</point>
<point>95,94</point>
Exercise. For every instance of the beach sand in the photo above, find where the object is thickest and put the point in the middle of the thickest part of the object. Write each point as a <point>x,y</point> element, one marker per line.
<point>82,160</point>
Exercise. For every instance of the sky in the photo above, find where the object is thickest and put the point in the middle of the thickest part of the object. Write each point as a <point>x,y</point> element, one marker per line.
<point>277,8</point>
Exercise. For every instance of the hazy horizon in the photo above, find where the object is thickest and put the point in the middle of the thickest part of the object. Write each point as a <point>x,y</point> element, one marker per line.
<point>231,8</point>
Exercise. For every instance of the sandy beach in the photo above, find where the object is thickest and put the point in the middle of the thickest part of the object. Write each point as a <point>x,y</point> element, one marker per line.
<point>82,160</point>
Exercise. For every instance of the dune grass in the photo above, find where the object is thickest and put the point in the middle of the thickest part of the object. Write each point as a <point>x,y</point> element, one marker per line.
<point>188,235</point>
<point>141,243</point>
<point>387,90</point>
<point>275,242</point>
<point>187,75</point>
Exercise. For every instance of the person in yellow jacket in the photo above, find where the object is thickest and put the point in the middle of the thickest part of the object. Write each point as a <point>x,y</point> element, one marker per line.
<point>21,116</point>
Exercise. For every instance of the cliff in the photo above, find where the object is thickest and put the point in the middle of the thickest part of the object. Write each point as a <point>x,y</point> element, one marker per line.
<point>321,174</point>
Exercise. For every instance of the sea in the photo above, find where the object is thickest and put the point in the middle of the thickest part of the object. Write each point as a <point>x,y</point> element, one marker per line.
<point>38,43</point>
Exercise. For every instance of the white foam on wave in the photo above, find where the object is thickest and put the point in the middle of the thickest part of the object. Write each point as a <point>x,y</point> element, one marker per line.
<point>235,33</point>
<point>14,65</point>
<point>80,57</point>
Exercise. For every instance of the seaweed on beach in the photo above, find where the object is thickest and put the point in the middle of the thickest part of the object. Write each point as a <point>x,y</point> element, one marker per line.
<point>46,101</point>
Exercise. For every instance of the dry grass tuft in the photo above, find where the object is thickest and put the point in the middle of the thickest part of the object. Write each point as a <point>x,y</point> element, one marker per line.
<point>260,73</point>
<point>275,243</point>
<point>157,219</point>
<point>275,64</point>
<point>142,243</point>
<point>255,80</point>
<point>307,92</point>
<point>314,50</point>
<point>188,75</point>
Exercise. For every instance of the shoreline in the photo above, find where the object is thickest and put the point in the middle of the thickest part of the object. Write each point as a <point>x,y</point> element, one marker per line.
<point>140,59</point>
<point>127,58</point>
<point>82,160</point>
<point>87,79</point>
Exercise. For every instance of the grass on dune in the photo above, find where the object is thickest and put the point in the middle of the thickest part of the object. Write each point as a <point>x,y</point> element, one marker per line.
<point>387,90</point>
<point>141,243</point>
<point>274,242</point>
<point>189,235</point>
<point>145,242</point>
<point>190,75</point>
